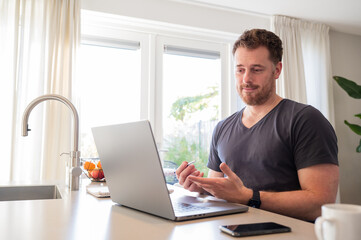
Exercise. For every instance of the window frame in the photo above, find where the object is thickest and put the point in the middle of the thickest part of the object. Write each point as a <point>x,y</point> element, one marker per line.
<point>152,37</point>
<point>161,43</point>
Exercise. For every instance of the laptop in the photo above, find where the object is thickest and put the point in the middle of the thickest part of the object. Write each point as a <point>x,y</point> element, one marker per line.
<point>135,177</point>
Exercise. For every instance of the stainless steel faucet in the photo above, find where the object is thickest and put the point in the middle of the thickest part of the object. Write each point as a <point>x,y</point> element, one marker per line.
<point>75,171</point>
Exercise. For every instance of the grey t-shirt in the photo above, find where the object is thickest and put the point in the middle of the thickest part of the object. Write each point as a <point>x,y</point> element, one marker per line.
<point>267,156</point>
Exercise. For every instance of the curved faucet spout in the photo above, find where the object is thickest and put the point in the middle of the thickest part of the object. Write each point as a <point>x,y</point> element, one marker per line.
<point>75,154</point>
<point>60,98</point>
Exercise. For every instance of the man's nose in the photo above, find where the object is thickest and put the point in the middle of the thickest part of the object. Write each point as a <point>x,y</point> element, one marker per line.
<point>247,77</point>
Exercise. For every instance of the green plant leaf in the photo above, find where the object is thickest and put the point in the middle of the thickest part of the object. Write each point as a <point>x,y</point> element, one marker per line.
<point>354,127</point>
<point>188,105</point>
<point>352,89</point>
<point>358,149</point>
<point>358,115</point>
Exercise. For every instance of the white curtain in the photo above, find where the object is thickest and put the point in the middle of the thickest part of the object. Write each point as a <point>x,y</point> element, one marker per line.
<point>38,39</point>
<point>291,83</point>
<point>307,68</point>
<point>318,70</point>
<point>307,75</point>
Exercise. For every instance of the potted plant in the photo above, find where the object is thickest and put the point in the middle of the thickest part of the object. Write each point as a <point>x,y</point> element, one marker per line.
<point>354,91</point>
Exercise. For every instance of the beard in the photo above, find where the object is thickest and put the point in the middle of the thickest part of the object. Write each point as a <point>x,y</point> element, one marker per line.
<point>259,97</point>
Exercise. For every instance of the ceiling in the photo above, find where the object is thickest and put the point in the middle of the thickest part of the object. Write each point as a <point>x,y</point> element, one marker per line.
<point>340,15</point>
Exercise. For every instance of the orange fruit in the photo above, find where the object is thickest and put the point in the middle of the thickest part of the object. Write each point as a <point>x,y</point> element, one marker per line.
<point>89,166</point>
<point>99,165</point>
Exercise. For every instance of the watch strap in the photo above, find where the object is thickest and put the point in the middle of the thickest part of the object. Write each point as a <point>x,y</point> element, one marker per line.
<point>255,201</point>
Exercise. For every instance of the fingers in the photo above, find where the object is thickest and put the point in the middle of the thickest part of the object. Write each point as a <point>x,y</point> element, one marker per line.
<point>187,182</point>
<point>209,185</point>
<point>202,180</point>
<point>181,168</point>
<point>206,183</point>
<point>228,172</point>
<point>184,171</point>
<point>191,186</point>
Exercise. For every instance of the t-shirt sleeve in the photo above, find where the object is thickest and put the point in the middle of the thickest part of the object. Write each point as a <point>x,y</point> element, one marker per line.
<point>213,160</point>
<point>314,139</point>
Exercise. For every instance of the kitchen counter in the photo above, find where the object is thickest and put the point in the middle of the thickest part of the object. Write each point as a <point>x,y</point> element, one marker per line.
<point>79,215</point>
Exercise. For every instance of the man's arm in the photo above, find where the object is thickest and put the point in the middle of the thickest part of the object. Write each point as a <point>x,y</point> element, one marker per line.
<point>214,174</point>
<point>319,185</point>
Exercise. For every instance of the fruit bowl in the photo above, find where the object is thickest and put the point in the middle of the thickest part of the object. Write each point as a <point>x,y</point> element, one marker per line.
<point>92,168</point>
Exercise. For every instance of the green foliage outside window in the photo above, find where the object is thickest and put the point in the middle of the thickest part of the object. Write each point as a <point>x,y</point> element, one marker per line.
<point>186,144</point>
<point>180,150</point>
<point>188,105</point>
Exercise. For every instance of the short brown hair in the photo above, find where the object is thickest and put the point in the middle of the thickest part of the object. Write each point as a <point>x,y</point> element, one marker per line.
<point>255,38</point>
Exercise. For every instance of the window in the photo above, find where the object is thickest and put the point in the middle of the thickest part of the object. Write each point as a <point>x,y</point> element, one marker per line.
<point>176,77</point>
<point>109,86</point>
<point>191,79</point>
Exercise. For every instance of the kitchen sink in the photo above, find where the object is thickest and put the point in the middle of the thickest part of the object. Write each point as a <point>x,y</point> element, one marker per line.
<point>16,193</point>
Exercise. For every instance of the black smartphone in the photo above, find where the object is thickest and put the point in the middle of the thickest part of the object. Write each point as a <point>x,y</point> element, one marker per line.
<point>252,229</point>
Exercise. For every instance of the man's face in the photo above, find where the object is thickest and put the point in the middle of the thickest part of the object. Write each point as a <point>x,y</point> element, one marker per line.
<point>255,75</point>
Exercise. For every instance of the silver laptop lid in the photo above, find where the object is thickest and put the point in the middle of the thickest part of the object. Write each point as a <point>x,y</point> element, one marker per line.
<point>128,156</point>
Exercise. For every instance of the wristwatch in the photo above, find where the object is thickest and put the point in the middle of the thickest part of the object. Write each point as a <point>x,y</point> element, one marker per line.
<point>255,201</point>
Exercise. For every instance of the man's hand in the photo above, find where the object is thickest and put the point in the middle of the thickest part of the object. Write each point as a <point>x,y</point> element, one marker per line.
<point>229,188</point>
<point>183,172</point>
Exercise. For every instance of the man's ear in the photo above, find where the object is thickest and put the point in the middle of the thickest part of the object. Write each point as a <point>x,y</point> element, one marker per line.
<point>278,70</point>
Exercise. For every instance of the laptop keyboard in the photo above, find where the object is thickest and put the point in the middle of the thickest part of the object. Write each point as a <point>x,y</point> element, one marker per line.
<point>185,207</point>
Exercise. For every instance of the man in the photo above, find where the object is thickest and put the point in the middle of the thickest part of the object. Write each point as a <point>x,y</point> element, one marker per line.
<point>274,154</point>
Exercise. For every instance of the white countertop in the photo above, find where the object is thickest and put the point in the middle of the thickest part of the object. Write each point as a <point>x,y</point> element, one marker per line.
<point>79,215</point>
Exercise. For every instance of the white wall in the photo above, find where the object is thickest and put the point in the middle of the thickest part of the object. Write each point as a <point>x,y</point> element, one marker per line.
<point>179,13</point>
<point>346,62</point>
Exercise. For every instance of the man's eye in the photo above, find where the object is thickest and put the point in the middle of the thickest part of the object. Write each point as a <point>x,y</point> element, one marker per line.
<point>257,70</point>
